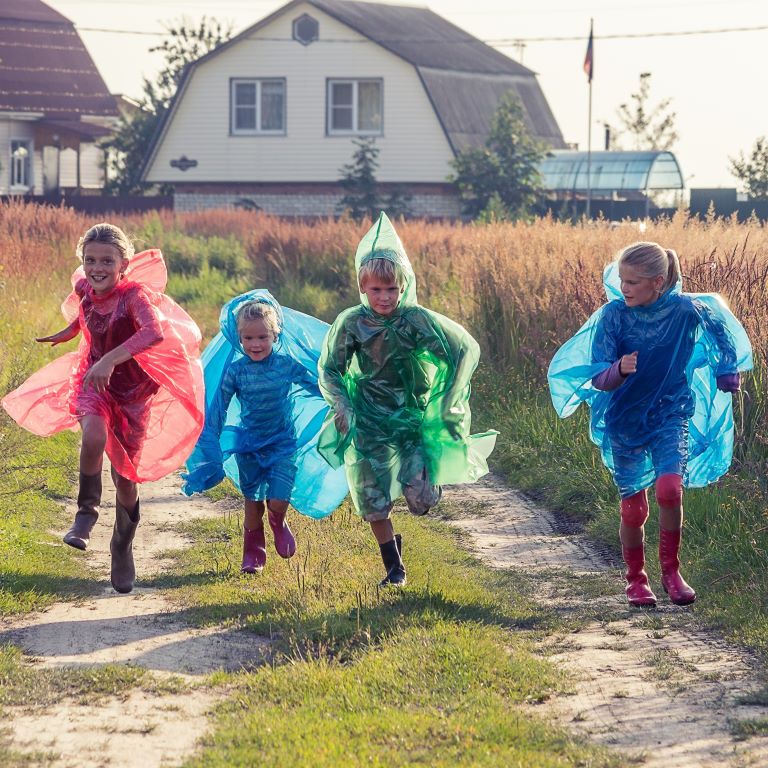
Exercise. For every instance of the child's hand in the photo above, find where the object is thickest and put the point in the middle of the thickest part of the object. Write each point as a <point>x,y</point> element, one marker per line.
<point>98,376</point>
<point>729,382</point>
<point>628,364</point>
<point>53,340</point>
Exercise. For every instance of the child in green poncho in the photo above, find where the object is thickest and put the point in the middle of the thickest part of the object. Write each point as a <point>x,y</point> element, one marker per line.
<point>396,376</point>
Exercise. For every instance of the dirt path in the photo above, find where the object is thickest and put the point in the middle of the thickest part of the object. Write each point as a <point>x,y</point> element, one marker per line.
<point>138,729</point>
<point>650,684</point>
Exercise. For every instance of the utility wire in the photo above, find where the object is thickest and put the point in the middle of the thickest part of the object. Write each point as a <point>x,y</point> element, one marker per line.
<point>499,41</point>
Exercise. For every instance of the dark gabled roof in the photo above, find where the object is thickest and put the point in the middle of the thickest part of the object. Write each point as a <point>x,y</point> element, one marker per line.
<point>421,37</point>
<point>465,104</point>
<point>44,66</point>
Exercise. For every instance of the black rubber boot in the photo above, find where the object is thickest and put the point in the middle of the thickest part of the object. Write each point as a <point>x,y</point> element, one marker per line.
<point>88,501</point>
<point>390,556</point>
<point>121,547</point>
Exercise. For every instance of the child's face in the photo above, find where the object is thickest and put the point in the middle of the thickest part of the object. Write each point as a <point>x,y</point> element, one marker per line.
<point>639,291</point>
<point>383,296</point>
<point>103,264</point>
<point>256,338</point>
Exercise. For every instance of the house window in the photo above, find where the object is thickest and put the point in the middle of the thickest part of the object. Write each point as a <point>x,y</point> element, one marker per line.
<point>21,163</point>
<point>355,107</point>
<point>305,29</point>
<point>258,107</point>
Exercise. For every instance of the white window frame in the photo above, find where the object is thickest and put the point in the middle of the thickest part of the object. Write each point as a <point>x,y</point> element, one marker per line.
<point>258,82</point>
<point>26,184</point>
<point>355,83</point>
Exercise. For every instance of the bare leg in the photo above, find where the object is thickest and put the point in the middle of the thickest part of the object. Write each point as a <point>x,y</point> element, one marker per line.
<point>93,443</point>
<point>383,530</point>
<point>254,514</point>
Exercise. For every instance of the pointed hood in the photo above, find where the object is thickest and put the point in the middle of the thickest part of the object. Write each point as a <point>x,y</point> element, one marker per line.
<point>382,242</point>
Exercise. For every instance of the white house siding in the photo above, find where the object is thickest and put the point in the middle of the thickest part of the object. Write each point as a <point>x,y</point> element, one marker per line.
<point>413,147</point>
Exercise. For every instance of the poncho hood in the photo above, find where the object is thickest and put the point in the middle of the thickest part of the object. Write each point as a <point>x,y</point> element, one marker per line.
<point>382,242</point>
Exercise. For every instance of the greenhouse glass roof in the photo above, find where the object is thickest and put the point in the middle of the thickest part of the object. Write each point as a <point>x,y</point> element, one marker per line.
<point>638,171</point>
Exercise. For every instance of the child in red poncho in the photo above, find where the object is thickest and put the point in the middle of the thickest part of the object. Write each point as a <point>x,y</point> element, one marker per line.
<point>134,385</point>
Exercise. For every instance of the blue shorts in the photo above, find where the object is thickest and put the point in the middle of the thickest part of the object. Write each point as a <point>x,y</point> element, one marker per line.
<point>258,482</point>
<point>636,468</point>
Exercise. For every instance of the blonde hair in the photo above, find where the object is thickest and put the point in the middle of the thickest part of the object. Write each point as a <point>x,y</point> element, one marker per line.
<point>650,260</point>
<point>106,233</point>
<point>259,310</point>
<point>378,268</point>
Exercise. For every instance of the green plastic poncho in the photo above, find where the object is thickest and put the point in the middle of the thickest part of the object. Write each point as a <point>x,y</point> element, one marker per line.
<point>402,383</point>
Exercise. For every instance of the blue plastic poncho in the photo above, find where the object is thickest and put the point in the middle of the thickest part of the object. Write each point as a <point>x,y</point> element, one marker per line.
<point>403,382</point>
<point>318,489</point>
<point>685,341</point>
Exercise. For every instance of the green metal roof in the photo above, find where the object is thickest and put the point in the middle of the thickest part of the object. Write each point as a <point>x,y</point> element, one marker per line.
<point>637,171</point>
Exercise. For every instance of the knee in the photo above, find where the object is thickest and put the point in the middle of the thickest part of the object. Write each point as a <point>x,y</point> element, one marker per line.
<point>276,506</point>
<point>634,510</point>
<point>94,441</point>
<point>669,491</point>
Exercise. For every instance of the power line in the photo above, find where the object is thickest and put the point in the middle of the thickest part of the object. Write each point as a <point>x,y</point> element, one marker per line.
<point>500,41</point>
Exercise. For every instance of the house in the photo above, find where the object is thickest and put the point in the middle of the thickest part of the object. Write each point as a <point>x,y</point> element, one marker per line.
<point>270,116</point>
<point>54,105</point>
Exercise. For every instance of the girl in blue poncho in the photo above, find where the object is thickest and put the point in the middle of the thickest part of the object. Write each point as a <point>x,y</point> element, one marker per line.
<point>263,415</point>
<point>658,368</point>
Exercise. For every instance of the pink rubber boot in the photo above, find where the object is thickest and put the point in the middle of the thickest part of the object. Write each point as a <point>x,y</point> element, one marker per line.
<point>254,550</point>
<point>674,584</point>
<point>285,544</point>
<point>638,591</point>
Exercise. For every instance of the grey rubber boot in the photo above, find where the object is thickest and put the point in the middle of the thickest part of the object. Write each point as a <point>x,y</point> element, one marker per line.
<point>88,501</point>
<point>121,547</point>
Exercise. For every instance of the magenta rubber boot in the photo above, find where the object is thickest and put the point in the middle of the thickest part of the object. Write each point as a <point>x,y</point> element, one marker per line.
<point>285,544</point>
<point>674,584</point>
<point>639,593</point>
<point>254,550</point>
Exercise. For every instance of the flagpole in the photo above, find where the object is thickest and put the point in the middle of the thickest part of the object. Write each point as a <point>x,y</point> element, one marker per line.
<point>589,130</point>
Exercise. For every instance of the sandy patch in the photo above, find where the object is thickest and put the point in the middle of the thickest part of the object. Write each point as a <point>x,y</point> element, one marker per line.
<point>138,729</point>
<point>648,684</point>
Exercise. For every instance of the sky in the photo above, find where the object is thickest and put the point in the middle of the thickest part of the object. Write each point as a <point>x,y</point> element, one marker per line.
<point>717,81</point>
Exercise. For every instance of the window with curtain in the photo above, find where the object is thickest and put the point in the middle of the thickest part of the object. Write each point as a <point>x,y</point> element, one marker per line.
<point>257,107</point>
<point>355,107</point>
<point>21,163</point>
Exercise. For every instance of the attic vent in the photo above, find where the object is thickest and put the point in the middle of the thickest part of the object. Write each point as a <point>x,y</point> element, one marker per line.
<point>305,29</point>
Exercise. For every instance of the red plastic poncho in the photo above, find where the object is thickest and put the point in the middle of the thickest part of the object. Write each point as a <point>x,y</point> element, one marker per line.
<point>154,405</point>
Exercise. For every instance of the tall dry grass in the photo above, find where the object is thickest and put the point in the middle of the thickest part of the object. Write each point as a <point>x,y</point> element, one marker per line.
<point>522,288</point>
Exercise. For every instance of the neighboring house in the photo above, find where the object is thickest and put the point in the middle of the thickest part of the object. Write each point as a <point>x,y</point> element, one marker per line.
<point>54,105</point>
<point>270,115</point>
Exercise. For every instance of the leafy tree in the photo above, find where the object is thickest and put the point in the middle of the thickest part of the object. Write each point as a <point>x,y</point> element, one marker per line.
<point>129,145</point>
<point>358,179</point>
<point>642,126</point>
<point>752,172</point>
<point>501,179</point>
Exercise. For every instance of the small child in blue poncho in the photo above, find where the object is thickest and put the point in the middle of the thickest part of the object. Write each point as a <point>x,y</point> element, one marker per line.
<point>657,368</point>
<point>263,415</point>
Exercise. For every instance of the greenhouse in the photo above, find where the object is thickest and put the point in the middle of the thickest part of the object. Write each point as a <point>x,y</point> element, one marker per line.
<point>652,177</point>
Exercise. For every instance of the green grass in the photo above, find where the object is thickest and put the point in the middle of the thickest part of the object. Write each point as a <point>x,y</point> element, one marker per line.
<point>326,596</point>
<point>38,568</point>
<point>725,541</point>
<point>444,672</point>
<point>451,694</point>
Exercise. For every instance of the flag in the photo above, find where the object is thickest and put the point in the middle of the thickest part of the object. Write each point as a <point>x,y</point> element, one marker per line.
<point>589,60</point>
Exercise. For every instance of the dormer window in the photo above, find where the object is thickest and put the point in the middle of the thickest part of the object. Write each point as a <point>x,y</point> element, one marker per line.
<point>305,29</point>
